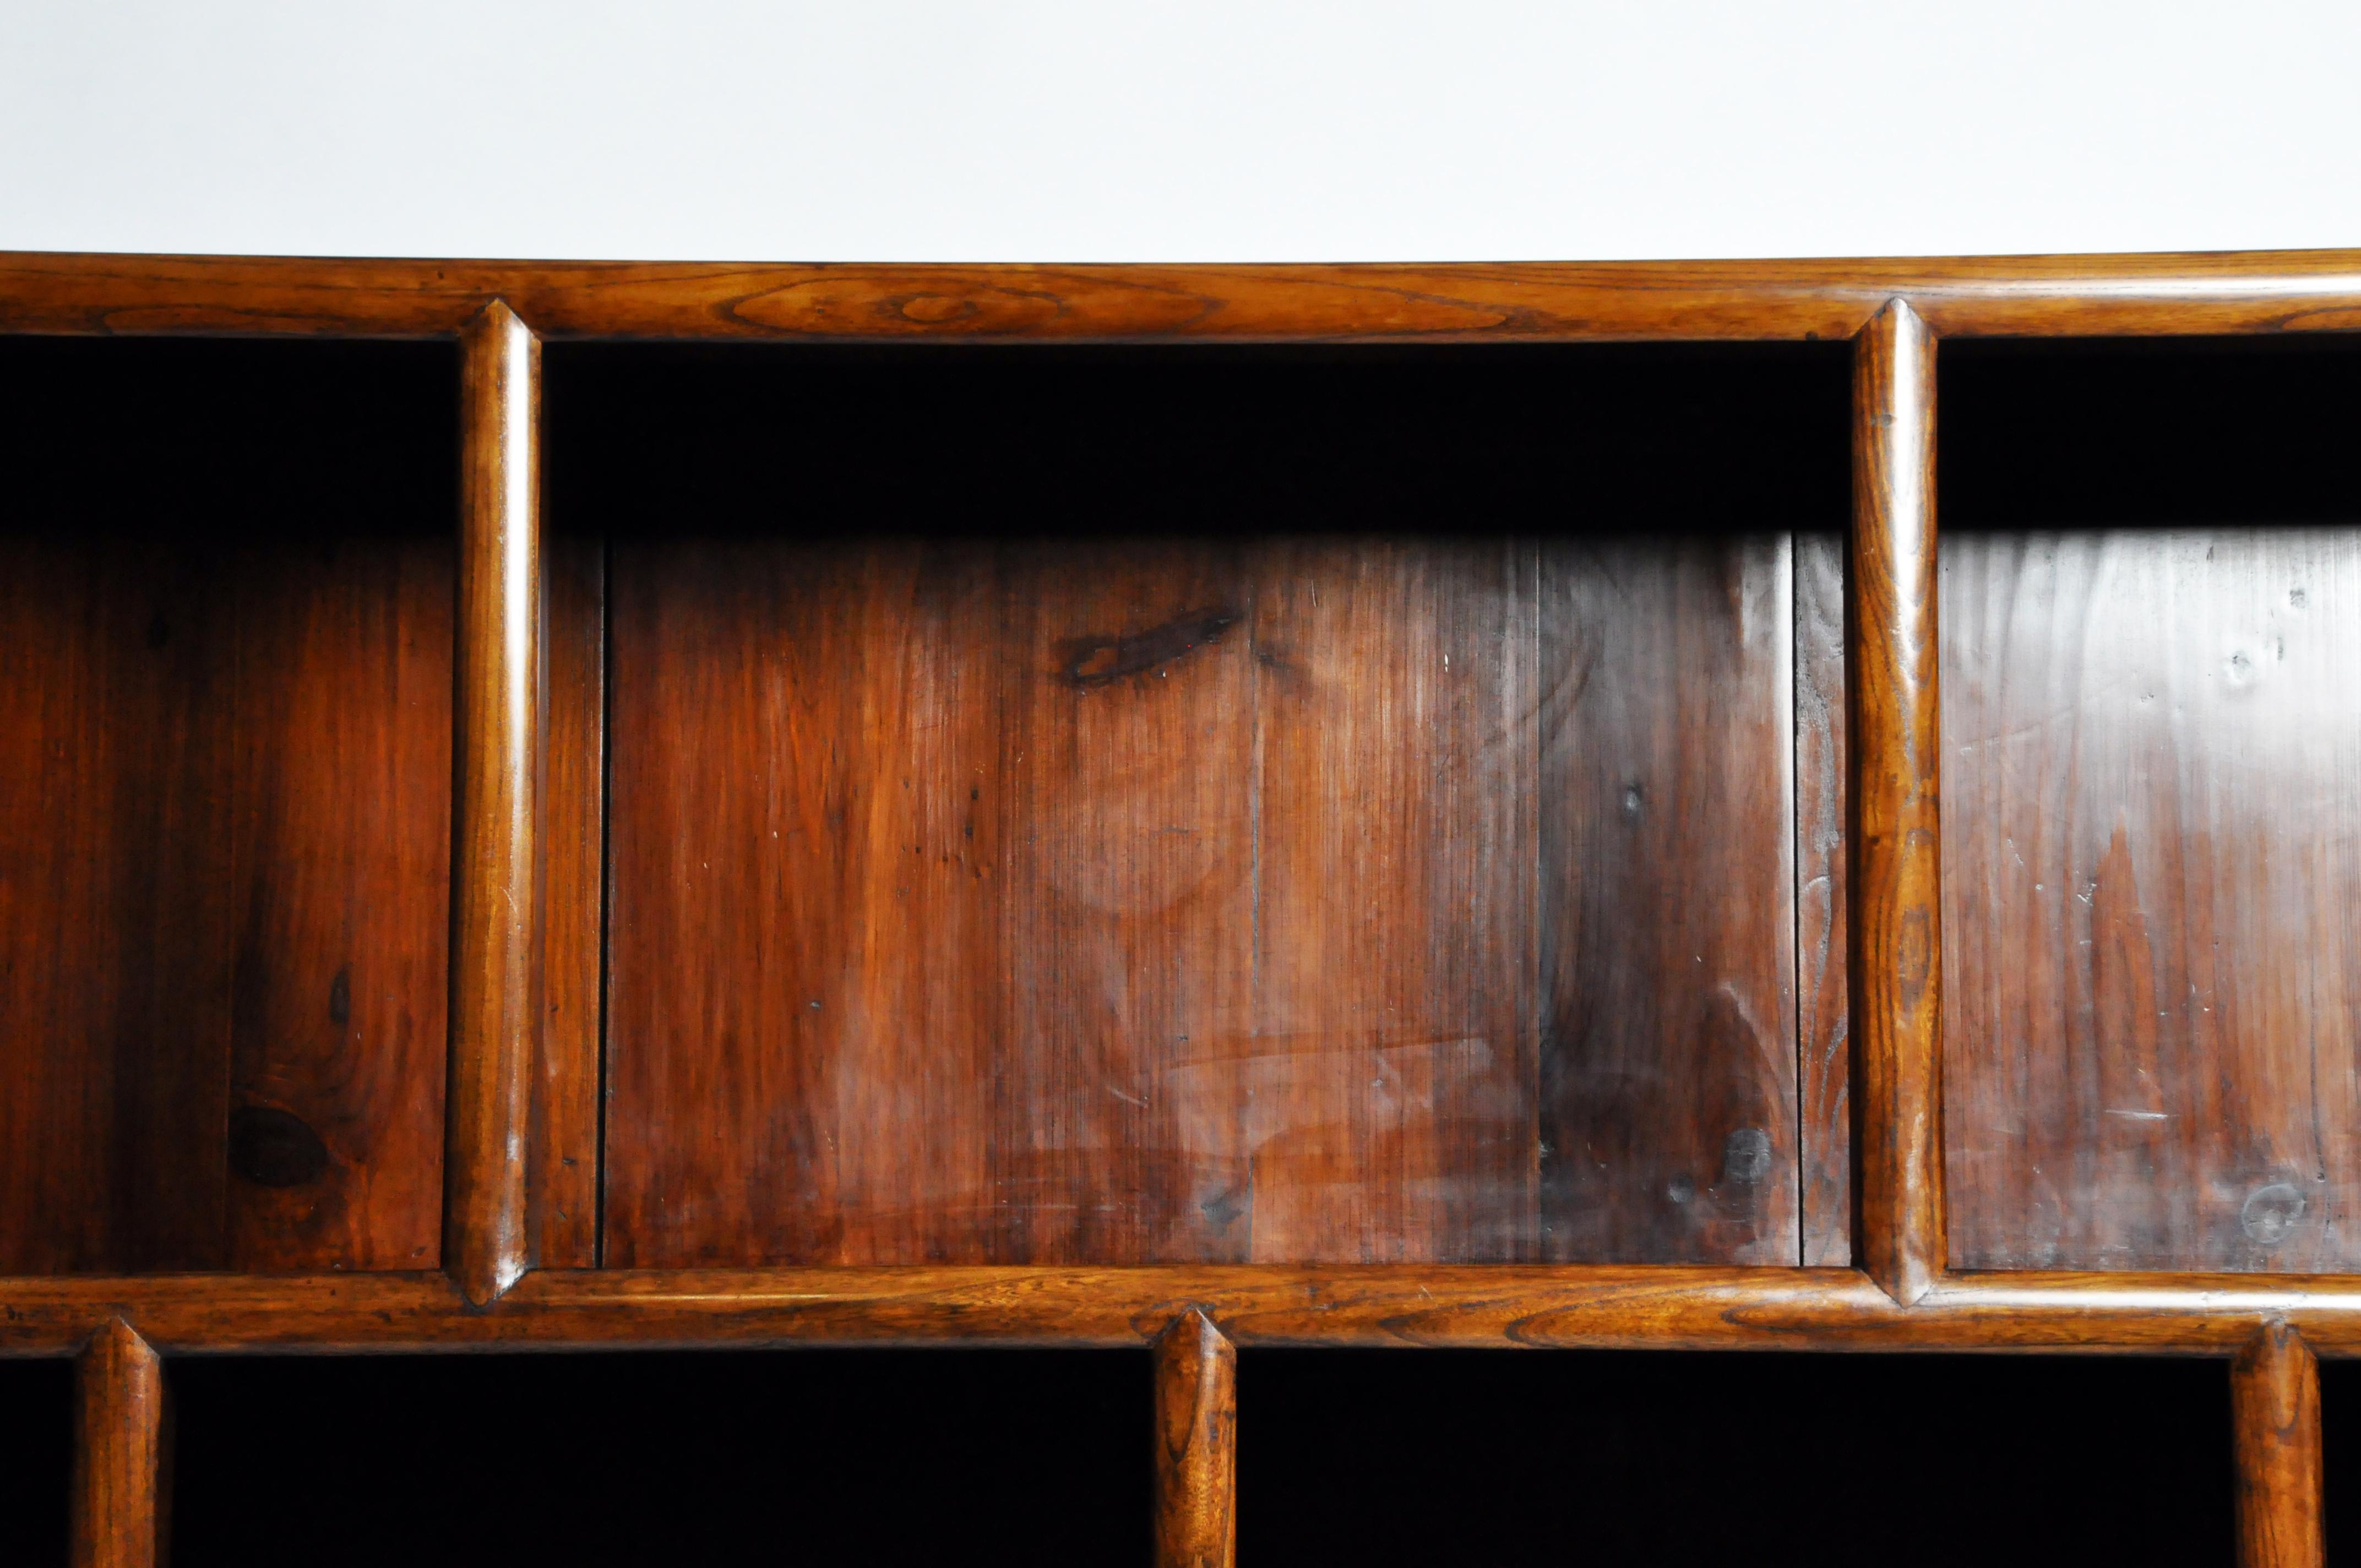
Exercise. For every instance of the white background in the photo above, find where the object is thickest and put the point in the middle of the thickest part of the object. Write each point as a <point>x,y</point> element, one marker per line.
<point>1144,129</point>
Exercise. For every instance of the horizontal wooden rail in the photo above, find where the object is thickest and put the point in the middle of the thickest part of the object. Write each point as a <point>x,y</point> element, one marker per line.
<point>1506,1305</point>
<point>143,295</point>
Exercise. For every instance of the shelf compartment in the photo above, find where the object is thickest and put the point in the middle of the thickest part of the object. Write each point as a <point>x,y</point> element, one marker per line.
<point>2151,573</point>
<point>226,633</point>
<point>1113,807</point>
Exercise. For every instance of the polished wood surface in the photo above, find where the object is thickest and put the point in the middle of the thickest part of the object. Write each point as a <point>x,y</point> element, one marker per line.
<point>1823,1028</point>
<point>496,995</point>
<point>122,1490</point>
<point>222,874</point>
<point>1668,1114</point>
<point>2152,873</point>
<point>1196,1446</point>
<point>1894,899</point>
<point>2261,292</point>
<point>2275,1423</point>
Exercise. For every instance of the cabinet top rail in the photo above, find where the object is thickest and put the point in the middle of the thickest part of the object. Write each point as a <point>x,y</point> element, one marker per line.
<point>2258,292</point>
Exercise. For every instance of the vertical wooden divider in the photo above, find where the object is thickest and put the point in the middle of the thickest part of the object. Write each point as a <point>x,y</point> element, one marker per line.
<point>1196,1446</point>
<point>495,879</point>
<point>1894,746</point>
<point>122,1457</point>
<point>2275,1423</point>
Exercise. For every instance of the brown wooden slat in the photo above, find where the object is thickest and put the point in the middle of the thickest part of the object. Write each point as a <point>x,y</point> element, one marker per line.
<point>1895,891</point>
<point>340,842</point>
<point>565,1157</point>
<point>122,1457</point>
<point>1668,1070</point>
<point>2226,292</point>
<point>1824,1066</point>
<point>115,936</point>
<point>1196,1446</point>
<point>1501,1306</point>
<point>496,953</point>
<point>2152,931</point>
<point>2275,1423</point>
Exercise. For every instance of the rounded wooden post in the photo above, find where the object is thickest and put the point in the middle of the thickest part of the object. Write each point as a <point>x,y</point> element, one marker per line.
<point>2275,1423</point>
<point>1196,1446</point>
<point>121,1455</point>
<point>1892,742</point>
<point>495,880</point>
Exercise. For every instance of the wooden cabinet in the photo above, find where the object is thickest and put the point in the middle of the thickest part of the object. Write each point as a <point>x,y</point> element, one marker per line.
<point>1188,810</point>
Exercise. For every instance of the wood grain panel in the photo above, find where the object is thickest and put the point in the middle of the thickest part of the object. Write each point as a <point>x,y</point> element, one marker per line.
<point>340,841</point>
<point>1017,869</point>
<point>1392,1100</point>
<point>1823,1064</point>
<point>2151,885</point>
<point>1126,835</point>
<point>1188,895</point>
<point>565,1153</point>
<point>808,962</point>
<point>115,936</point>
<point>1667,1119</point>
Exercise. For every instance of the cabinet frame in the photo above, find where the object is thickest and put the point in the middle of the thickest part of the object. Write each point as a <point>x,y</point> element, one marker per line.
<point>1904,1297</point>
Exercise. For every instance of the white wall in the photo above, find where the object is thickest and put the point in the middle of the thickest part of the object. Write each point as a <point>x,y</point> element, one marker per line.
<point>1148,129</point>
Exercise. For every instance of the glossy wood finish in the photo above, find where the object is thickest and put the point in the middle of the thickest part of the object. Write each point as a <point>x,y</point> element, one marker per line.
<point>1824,1047</point>
<point>2275,1423</point>
<point>1196,1446</point>
<point>2228,292</point>
<point>563,1195</point>
<point>496,937</point>
<point>2153,889</point>
<point>1668,1115</point>
<point>1894,749</point>
<point>122,1457</point>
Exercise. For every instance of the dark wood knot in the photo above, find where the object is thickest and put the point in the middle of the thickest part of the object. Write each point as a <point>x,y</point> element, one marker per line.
<point>271,1147</point>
